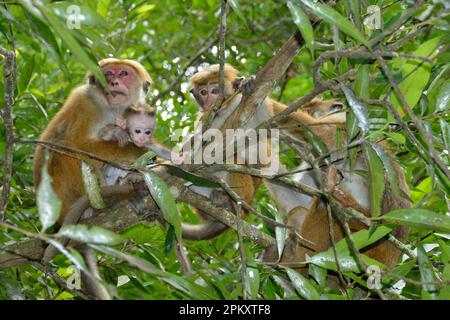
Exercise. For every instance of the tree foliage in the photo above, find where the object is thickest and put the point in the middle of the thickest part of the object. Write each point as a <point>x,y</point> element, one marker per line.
<point>399,95</point>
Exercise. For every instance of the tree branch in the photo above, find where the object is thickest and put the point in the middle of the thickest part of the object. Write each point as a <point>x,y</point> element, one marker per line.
<point>9,78</point>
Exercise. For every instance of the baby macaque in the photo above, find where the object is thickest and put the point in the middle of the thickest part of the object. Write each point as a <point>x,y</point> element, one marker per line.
<point>135,125</point>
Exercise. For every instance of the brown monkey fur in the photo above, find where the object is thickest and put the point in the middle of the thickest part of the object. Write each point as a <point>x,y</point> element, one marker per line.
<point>76,125</point>
<point>87,109</point>
<point>322,118</point>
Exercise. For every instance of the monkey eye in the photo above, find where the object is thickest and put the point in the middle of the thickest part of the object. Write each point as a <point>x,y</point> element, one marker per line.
<point>336,107</point>
<point>108,74</point>
<point>123,73</point>
<point>137,131</point>
<point>204,92</point>
<point>147,132</point>
<point>215,91</point>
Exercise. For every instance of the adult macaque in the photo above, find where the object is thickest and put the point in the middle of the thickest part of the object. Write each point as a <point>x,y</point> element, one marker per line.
<point>306,214</point>
<point>88,109</point>
<point>205,88</point>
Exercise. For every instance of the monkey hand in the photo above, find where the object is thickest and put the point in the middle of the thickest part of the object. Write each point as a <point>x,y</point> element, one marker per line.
<point>178,159</point>
<point>132,178</point>
<point>121,122</point>
<point>122,137</point>
<point>247,86</point>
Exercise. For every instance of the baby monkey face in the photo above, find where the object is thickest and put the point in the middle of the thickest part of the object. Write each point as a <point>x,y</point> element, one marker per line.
<point>141,127</point>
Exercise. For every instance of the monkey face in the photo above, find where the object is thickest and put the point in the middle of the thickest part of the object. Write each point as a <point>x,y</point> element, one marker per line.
<point>325,109</point>
<point>121,81</point>
<point>140,128</point>
<point>206,95</point>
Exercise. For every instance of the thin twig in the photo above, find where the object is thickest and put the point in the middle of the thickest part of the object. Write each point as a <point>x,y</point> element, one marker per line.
<point>211,114</point>
<point>245,286</point>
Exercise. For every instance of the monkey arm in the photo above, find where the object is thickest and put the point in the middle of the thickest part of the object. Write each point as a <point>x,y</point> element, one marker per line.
<point>160,150</point>
<point>109,150</point>
<point>107,132</point>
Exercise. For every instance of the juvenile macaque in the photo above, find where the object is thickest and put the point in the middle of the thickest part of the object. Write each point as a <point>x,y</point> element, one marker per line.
<point>136,125</point>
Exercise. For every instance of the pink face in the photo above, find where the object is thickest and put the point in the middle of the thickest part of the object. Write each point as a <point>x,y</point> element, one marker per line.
<point>120,81</point>
<point>140,128</point>
<point>208,95</point>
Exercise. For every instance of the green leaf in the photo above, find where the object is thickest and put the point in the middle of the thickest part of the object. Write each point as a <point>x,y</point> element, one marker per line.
<point>303,286</point>
<point>67,38</point>
<point>190,288</point>
<point>361,90</point>
<point>347,260</point>
<point>389,169</point>
<point>376,179</point>
<point>280,232</point>
<point>419,218</point>
<point>48,203</point>
<point>92,186</point>
<point>26,73</point>
<point>252,279</point>
<point>429,290</point>
<point>412,86</point>
<point>319,274</point>
<point>440,78</point>
<point>195,179</point>
<point>334,18</point>
<point>96,235</point>
<point>73,256</point>
<point>164,199</point>
<point>145,8</point>
<point>303,24</point>
<point>235,6</point>
<point>443,98</point>
<point>319,146</point>
<point>170,242</point>
<point>144,160</point>
<point>445,133</point>
<point>41,28</point>
<point>362,81</point>
<point>356,12</point>
<point>358,107</point>
<point>401,270</point>
<point>363,238</point>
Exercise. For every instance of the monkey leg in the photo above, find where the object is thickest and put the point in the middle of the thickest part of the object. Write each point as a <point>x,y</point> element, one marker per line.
<point>211,228</point>
<point>308,236</point>
<point>243,185</point>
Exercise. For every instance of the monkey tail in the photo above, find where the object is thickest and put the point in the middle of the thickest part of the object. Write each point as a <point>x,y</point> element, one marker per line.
<point>204,231</point>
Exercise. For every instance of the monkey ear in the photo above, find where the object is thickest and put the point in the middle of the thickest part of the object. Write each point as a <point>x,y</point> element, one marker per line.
<point>91,78</point>
<point>237,83</point>
<point>146,85</point>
